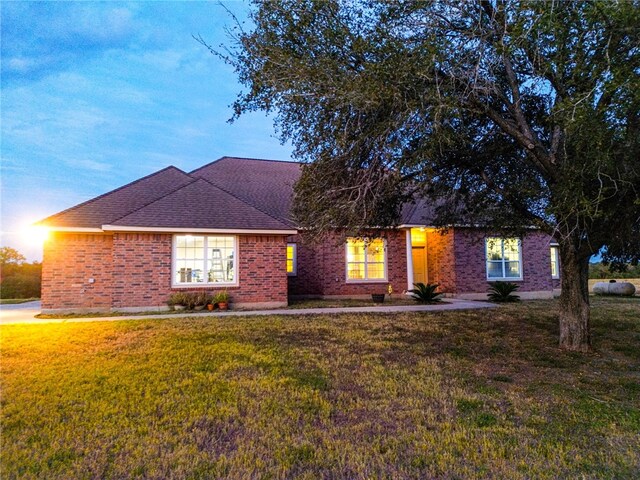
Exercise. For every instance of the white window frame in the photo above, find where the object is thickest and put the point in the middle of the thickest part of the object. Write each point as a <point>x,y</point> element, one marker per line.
<point>365,280</point>
<point>502,261</point>
<point>192,285</point>
<point>554,250</point>
<point>295,259</point>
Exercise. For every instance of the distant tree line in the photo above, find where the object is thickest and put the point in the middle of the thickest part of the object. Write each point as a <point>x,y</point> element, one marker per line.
<point>18,279</point>
<point>602,271</point>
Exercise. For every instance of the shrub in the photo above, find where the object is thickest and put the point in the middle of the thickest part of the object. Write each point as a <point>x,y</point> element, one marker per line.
<point>201,299</point>
<point>177,298</point>
<point>503,292</point>
<point>425,293</point>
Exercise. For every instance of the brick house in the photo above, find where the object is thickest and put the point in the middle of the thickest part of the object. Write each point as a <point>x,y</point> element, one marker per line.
<point>227,225</point>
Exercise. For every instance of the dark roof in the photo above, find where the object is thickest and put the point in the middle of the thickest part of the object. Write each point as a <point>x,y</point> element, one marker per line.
<point>419,212</point>
<point>266,184</point>
<point>107,208</point>
<point>229,193</point>
<point>200,205</point>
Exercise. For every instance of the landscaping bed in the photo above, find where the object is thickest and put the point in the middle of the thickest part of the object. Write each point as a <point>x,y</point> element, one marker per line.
<point>461,394</point>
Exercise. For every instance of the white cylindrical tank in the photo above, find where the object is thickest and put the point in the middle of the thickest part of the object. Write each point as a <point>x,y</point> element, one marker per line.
<point>625,289</point>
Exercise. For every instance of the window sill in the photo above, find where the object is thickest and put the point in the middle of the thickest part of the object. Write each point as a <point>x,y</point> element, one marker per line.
<point>368,281</point>
<point>204,285</point>
<point>505,279</point>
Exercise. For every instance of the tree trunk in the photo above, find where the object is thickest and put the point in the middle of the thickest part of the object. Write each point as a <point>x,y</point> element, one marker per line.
<point>574,300</point>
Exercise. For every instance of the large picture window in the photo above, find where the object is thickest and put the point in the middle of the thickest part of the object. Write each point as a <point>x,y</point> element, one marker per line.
<point>204,260</point>
<point>366,260</point>
<point>504,259</point>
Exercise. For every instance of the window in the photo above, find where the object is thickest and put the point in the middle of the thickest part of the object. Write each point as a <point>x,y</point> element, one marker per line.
<point>204,260</point>
<point>504,260</point>
<point>366,260</point>
<point>292,259</point>
<point>555,262</point>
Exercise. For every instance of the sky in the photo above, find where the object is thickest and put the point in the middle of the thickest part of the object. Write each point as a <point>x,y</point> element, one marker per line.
<point>95,95</point>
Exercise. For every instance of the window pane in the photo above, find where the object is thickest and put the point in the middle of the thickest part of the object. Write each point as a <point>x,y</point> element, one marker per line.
<point>494,249</point>
<point>512,249</point>
<point>554,261</point>
<point>221,265</point>
<point>375,251</point>
<point>512,269</point>
<point>494,269</point>
<point>355,250</point>
<point>355,270</point>
<point>189,271</point>
<point>291,258</point>
<point>375,270</point>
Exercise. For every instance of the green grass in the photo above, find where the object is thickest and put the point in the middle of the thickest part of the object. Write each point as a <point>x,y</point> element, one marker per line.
<point>472,394</point>
<point>13,301</point>
<point>397,299</point>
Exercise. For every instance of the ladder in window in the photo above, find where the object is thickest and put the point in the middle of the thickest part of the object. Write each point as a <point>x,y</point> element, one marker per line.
<point>216,273</point>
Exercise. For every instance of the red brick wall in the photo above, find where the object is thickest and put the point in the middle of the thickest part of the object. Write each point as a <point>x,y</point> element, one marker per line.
<point>134,270</point>
<point>441,262</point>
<point>69,262</point>
<point>307,280</point>
<point>325,273</point>
<point>470,257</point>
<point>141,269</point>
<point>262,269</point>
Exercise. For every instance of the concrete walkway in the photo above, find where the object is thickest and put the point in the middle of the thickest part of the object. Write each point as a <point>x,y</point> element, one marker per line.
<point>25,314</point>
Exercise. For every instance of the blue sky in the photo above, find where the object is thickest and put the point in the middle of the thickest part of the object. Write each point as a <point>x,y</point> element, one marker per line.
<point>95,95</point>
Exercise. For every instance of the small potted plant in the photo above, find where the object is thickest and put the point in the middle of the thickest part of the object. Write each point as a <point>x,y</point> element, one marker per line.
<point>222,299</point>
<point>211,304</point>
<point>177,301</point>
<point>201,299</point>
<point>377,297</point>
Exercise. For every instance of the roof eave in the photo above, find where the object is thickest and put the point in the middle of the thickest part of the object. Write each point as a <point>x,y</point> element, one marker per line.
<point>257,231</point>
<point>70,229</point>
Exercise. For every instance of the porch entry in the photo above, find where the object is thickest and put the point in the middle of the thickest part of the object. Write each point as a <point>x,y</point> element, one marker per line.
<point>419,255</point>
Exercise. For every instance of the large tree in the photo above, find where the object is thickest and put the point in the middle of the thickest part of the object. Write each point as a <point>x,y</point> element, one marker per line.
<point>508,114</point>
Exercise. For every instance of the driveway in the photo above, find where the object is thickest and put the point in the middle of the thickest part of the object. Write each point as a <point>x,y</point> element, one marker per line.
<point>19,312</point>
<point>24,313</point>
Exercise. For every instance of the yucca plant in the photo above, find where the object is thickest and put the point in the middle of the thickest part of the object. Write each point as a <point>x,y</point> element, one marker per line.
<point>425,293</point>
<point>503,292</point>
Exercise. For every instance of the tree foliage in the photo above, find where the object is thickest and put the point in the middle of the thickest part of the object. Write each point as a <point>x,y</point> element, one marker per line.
<point>18,278</point>
<point>602,271</point>
<point>10,255</point>
<point>508,114</point>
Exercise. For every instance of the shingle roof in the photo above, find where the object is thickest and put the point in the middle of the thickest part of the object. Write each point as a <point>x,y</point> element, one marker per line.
<point>419,212</point>
<point>266,184</point>
<point>229,193</point>
<point>120,202</point>
<point>201,205</point>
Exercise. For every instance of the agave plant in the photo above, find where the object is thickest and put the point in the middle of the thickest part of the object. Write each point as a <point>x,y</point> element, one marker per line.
<point>503,292</point>
<point>425,293</point>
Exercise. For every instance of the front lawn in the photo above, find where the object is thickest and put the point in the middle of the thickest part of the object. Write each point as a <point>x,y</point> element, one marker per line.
<point>472,394</point>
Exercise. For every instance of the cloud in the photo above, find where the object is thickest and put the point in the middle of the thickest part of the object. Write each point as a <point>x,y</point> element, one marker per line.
<point>40,38</point>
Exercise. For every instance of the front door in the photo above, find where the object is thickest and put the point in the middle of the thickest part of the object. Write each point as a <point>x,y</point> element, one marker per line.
<point>419,265</point>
